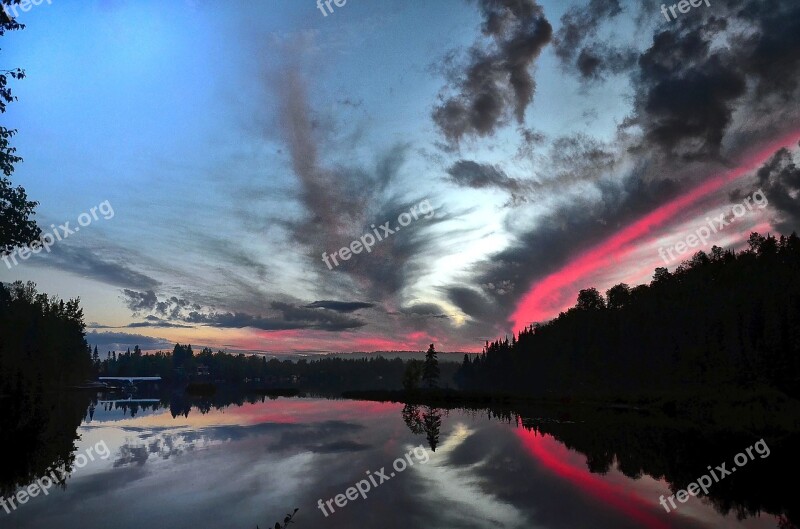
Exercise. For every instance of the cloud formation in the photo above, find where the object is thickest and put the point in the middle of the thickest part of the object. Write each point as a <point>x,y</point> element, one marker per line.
<point>495,84</point>
<point>280,316</point>
<point>84,262</point>
<point>578,49</point>
<point>119,341</point>
<point>779,179</point>
<point>340,306</point>
<point>475,175</point>
<point>690,91</point>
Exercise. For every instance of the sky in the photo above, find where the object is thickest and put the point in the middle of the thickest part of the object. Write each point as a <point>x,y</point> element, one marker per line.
<point>526,150</point>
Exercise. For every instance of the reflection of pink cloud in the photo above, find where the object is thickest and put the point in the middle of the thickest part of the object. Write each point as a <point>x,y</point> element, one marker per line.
<point>571,467</point>
<point>290,411</point>
<point>556,291</point>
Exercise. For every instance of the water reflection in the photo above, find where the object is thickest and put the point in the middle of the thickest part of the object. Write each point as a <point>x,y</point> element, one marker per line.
<point>38,432</point>
<point>424,419</point>
<point>205,463</point>
<point>636,447</point>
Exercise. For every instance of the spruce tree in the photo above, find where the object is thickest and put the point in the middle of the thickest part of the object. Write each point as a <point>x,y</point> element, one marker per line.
<point>430,371</point>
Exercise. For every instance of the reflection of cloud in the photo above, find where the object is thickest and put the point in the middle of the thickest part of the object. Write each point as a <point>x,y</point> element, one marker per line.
<point>553,455</point>
<point>328,437</point>
<point>161,445</point>
<point>472,503</point>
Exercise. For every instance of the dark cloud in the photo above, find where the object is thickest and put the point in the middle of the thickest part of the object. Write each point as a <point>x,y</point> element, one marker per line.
<point>240,320</point>
<point>293,318</point>
<point>575,159</point>
<point>140,301</point>
<point>150,321</point>
<point>95,325</point>
<point>772,54</point>
<point>689,111</point>
<point>595,62</point>
<point>399,258</point>
<point>694,101</point>
<point>122,340</point>
<point>335,198</point>
<point>156,322</point>
<point>779,180</point>
<point>340,306</point>
<point>473,303</point>
<point>555,239</point>
<point>691,92</point>
<point>316,319</point>
<point>467,173</point>
<point>342,203</point>
<point>425,310</point>
<point>578,49</point>
<point>530,140</point>
<point>283,316</point>
<point>581,22</point>
<point>495,84</point>
<point>86,263</point>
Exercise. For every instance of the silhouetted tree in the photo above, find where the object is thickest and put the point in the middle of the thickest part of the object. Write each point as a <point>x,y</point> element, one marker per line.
<point>590,299</point>
<point>430,371</point>
<point>723,319</point>
<point>618,296</point>
<point>432,423</point>
<point>16,226</point>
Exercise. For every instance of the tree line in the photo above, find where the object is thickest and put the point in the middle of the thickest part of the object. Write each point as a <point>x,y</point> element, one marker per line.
<point>42,343</point>
<point>724,319</point>
<point>323,373</point>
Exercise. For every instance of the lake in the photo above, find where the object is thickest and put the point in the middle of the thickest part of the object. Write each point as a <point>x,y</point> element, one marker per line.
<point>157,464</point>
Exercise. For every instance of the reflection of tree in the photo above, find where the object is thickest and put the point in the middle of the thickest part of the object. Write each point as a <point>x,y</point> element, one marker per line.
<point>427,421</point>
<point>37,433</point>
<point>178,405</point>
<point>678,452</point>
<point>432,422</point>
<point>412,418</point>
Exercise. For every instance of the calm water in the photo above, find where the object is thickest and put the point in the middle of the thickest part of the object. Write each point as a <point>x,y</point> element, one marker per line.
<point>245,465</point>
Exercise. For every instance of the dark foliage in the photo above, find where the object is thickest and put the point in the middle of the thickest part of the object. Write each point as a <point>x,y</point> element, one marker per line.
<point>430,370</point>
<point>42,341</point>
<point>723,319</point>
<point>42,348</point>
<point>335,374</point>
<point>16,226</point>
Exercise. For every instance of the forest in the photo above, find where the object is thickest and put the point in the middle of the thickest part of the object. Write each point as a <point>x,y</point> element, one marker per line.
<point>43,344</point>
<point>728,319</point>
<point>335,374</point>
